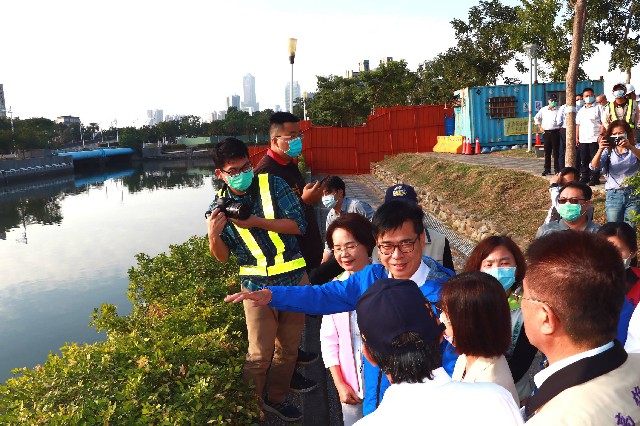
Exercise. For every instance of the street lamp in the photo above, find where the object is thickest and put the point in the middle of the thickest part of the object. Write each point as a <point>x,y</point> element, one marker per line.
<point>292,56</point>
<point>81,135</point>
<point>531,52</point>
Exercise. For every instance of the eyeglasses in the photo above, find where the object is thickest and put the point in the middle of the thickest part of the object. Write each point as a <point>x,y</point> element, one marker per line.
<point>233,172</point>
<point>344,249</point>
<point>289,138</point>
<point>517,295</point>
<point>572,200</point>
<point>406,246</point>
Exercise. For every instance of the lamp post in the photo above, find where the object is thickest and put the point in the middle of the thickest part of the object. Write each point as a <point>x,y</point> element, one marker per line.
<point>292,56</point>
<point>531,52</point>
<point>304,104</point>
<point>81,135</point>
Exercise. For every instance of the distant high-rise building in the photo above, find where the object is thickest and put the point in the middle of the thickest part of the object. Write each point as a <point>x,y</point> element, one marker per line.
<point>222,115</point>
<point>296,94</point>
<point>154,116</point>
<point>67,119</point>
<point>277,109</point>
<point>249,87</point>
<point>3,108</point>
<point>233,101</point>
<point>386,60</point>
<point>364,66</point>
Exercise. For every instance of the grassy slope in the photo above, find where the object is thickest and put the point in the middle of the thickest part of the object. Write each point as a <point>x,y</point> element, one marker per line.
<point>518,201</point>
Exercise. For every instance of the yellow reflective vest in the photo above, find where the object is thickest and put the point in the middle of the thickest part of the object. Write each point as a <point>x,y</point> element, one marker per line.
<point>612,110</point>
<point>266,265</point>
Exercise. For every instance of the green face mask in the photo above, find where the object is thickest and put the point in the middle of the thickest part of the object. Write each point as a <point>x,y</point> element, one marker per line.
<point>570,212</point>
<point>241,181</point>
<point>553,103</point>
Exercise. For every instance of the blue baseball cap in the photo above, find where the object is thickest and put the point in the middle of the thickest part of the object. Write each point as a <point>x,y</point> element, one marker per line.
<point>401,192</point>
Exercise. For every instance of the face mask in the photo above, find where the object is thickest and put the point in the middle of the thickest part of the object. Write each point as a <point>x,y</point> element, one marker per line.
<point>329,201</point>
<point>241,181</point>
<point>295,147</point>
<point>570,212</point>
<point>618,94</point>
<point>553,103</point>
<point>506,275</point>
<point>580,103</point>
<point>589,99</point>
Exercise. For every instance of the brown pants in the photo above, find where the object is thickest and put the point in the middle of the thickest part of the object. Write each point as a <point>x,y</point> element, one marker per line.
<point>274,337</point>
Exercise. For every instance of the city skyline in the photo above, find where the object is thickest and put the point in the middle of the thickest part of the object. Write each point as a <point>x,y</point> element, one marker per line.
<point>102,75</point>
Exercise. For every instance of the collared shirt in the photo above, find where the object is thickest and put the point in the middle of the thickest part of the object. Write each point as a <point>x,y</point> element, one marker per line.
<point>420,276</point>
<point>589,120</point>
<point>349,205</point>
<point>443,401</point>
<point>632,345</point>
<point>561,225</point>
<point>286,206</point>
<point>540,377</point>
<point>547,118</point>
<point>621,166</point>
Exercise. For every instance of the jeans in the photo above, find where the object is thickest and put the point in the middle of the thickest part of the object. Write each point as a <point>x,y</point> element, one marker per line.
<point>274,337</point>
<point>621,205</point>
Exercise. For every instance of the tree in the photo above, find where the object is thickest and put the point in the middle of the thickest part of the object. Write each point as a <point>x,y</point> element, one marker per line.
<point>339,101</point>
<point>391,84</point>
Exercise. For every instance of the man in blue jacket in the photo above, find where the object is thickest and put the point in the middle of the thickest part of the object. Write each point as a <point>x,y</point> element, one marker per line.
<point>400,236</point>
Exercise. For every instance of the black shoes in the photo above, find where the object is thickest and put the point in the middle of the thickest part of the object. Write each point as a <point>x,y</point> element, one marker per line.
<point>283,410</point>
<point>306,358</point>
<point>546,172</point>
<point>300,384</point>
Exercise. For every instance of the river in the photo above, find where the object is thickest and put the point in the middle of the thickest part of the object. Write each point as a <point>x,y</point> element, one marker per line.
<point>67,243</point>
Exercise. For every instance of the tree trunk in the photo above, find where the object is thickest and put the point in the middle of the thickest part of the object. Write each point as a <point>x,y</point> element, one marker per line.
<point>579,21</point>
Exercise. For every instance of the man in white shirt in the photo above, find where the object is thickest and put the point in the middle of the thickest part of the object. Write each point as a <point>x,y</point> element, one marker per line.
<point>548,124</point>
<point>588,125</point>
<point>571,301</point>
<point>401,335</point>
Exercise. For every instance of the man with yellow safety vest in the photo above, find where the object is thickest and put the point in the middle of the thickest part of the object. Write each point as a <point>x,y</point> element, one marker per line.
<point>257,218</point>
<point>621,108</point>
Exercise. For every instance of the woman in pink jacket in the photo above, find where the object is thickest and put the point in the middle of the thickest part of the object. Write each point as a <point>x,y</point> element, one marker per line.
<point>350,237</point>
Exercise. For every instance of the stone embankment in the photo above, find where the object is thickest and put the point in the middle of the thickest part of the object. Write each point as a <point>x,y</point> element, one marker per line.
<point>14,171</point>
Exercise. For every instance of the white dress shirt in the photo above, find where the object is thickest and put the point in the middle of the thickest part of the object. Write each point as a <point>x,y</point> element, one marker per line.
<point>632,344</point>
<point>589,119</point>
<point>548,118</point>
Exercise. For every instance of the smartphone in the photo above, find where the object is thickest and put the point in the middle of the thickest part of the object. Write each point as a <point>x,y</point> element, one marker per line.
<point>324,179</point>
<point>612,141</point>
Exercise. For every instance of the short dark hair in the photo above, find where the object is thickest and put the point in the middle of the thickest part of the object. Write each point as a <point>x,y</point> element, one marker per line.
<point>393,214</point>
<point>413,366</point>
<point>588,89</point>
<point>625,125</point>
<point>479,313</point>
<point>277,120</point>
<point>623,231</point>
<point>583,187</point>
<point>228,149</point>
<point>358,225</point>
<point>620,85</point>
<point>570,171</point>
<point>581,276</point>
<point>489,244</point>
<point>334,183</point>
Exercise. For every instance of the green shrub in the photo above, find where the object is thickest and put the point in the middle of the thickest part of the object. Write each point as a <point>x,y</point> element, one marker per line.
<point>176,359</point>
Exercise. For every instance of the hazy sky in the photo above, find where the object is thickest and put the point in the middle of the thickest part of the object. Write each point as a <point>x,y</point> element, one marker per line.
<point>105,60</point>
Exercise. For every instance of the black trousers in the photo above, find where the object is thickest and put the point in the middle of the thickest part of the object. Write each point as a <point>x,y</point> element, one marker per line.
<point>587,152</point>
<point>551,147</point>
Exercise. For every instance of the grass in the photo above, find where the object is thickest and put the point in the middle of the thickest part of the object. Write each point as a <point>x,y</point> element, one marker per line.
<point>517,201</point>
<point>519,153</point>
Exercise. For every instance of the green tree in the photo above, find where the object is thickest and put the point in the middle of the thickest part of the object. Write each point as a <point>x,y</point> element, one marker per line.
<point>391,84</point>
<point>339,101</point>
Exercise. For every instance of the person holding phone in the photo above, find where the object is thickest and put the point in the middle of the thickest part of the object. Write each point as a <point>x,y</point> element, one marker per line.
<point>617,157</point>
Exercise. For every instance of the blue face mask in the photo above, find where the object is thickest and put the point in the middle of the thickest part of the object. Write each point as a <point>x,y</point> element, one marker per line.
<point>241,181</point>
<point>329,201</point>
<point>619,94</point>
<point>295,147</point>
<point>505,274</point>
<point>580,103</point>
<point>589,99</point>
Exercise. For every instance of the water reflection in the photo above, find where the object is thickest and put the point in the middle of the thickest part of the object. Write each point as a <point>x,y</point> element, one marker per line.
<point>83,233</point>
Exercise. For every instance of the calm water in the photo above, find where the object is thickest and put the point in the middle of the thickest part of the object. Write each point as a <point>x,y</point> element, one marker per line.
<point>66,245</point>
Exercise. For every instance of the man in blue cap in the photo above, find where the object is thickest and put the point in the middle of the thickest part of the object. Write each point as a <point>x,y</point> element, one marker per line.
<point>401,335</point>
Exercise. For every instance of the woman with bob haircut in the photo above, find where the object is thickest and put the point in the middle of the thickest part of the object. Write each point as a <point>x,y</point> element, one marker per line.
<point>476,314</point>
<point>500,256</point>
<point>350,238</point>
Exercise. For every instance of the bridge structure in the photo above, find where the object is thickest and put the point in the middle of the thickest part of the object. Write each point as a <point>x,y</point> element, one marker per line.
<point>100,156</point>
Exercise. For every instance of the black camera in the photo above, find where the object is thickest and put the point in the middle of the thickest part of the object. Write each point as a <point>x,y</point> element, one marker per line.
<point>613,141</point>
<point>231,209</point>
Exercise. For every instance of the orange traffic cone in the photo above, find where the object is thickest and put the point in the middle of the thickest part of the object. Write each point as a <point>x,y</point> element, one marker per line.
<point>478,149</point>
<point>467,146</point>
<point>464,146</point>
<point>538,143</point>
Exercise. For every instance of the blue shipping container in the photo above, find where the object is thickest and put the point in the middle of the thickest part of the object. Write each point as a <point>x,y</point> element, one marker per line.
<point>499,115</point>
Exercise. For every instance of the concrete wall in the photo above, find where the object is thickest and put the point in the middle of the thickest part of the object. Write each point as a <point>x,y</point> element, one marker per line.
<point>19,170</point>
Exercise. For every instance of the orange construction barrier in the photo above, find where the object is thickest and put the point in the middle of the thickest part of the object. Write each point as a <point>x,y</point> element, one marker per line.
<point>538,143</point>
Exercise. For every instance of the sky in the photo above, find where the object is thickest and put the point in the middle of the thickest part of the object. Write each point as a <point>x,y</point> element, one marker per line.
<point>110,61</point>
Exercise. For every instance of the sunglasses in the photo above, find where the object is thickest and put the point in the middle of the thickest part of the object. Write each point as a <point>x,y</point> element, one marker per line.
<point>572,200</point>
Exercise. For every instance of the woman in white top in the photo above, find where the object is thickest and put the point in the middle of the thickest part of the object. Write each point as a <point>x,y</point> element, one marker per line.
<point>618,157</point>
<point>350,237</point>
<point>478,321</point>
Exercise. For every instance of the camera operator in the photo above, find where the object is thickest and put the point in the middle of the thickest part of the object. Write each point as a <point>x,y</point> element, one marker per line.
<point>267,252</point>
<point>618,158</point>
